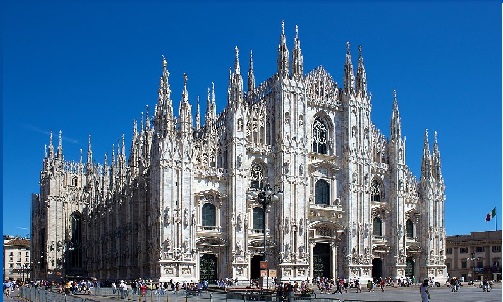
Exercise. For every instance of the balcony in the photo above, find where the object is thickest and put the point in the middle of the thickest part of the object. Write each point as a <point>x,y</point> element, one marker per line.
<point>326,210</point>
<point>209,229</point>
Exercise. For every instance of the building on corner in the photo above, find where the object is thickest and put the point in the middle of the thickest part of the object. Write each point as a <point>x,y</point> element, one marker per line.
<point>474,257</point>
<point>178,207</point>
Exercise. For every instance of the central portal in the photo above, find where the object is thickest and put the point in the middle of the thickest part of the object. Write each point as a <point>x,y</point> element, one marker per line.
<point>321,260</point>
<point>377,268</point>
<point>208,268</point>
<point>255,266</point>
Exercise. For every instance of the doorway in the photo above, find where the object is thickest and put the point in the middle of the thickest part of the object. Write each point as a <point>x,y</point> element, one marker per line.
<point>321,260</point>
<point>376,268</point>
<point>208,268</point>
<point>255,266</point>
<point>409,268</point>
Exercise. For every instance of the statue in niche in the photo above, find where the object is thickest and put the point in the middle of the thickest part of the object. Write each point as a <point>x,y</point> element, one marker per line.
<point>239,222</point>
<point>186,217</point>
<point>238,161</point>
<point>239,248</point>
<point>287,225</point>
<point>167,218</point>
<point>176,216</point>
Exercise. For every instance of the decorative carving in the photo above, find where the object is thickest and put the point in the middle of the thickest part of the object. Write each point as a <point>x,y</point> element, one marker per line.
<point>239,222</point>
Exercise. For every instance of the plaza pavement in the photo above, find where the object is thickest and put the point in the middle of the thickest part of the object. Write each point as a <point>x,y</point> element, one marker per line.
<point>403,294</point>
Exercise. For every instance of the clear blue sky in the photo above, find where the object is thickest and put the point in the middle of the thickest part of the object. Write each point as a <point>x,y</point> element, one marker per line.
<point>91,68</point>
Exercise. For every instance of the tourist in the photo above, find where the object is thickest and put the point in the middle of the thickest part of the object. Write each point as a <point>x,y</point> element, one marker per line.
<point>423,290</point>
<point>358,286</point>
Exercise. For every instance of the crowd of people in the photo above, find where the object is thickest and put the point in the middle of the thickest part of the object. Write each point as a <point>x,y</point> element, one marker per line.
<point>285,291</point>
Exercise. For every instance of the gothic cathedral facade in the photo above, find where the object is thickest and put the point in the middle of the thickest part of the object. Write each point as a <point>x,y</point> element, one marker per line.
<point>179,207</point>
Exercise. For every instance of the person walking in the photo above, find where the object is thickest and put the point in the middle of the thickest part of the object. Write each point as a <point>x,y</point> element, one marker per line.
<point>358,286</point>
<point>425,293</point>
<point>382,284</point>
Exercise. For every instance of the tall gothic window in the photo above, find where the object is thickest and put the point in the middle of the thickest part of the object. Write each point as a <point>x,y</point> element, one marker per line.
<point>208,215</point>
<point>322,192</point>
<point>74,248</point>
<point>257,176</point>
<point>377,227</point>
<point>376,191</point>
<point>258,218</point>
<point>320,135</point>
<point>409,229</point>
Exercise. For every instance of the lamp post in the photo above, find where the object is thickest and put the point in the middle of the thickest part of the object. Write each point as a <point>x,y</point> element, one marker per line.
<point>264,196</point>
<point>25,268</point>
<point>473,258</point>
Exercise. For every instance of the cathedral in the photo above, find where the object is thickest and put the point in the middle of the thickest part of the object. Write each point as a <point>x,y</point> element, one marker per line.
<point>291,180</point>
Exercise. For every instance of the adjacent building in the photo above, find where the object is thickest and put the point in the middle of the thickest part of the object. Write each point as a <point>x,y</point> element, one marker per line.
<point>474,257</point>
<point>183,204</point>
<point>16,258</point>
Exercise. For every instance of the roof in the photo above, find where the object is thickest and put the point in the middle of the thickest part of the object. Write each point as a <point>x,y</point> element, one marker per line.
<point>18,242</point>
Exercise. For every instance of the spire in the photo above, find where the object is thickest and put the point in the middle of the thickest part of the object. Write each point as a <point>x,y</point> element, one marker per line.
<point>213,104</point>
<point>123,149</point>
<point>147,118</point>
<point>283,54</point>
<point>361,76</point>
<point>251,75</point>
<point>113,154</point>
<point>185,94</point>
<point>207,117</point>
<point>185,114</point>
<point>105,162</point>
<point>396,127</point>
<point>437,172</point>
<point>235,90</point>
<point>89,151</point>
<point>297,60</point>
<point>60,145</point>
<point>237,69</point>
<point>198,115</point>
<point>349,77</point>
<point>164,109</point>
<point>426,162</point>
<point>141,122</point>
<point>135,130</point>
<point>51,146</point>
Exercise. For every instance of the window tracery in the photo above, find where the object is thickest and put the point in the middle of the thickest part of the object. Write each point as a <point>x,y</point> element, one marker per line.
<point>257,173</point>
<point>376,193</point>
<point>320,135</point>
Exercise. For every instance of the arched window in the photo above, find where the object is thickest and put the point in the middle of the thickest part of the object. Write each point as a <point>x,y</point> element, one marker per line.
<point>74,246</point>
<point>375,191</point>
<point>209,215</point>
<point>257,176</point>
<point>320,136</point>
<point>258,219</point>
<point>322,192</point>
<point>409,229</point>
<point>377,227</point>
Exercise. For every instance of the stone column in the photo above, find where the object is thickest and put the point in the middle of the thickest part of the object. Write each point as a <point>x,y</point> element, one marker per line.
<point>311,261</point>
<point>334,259</point>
